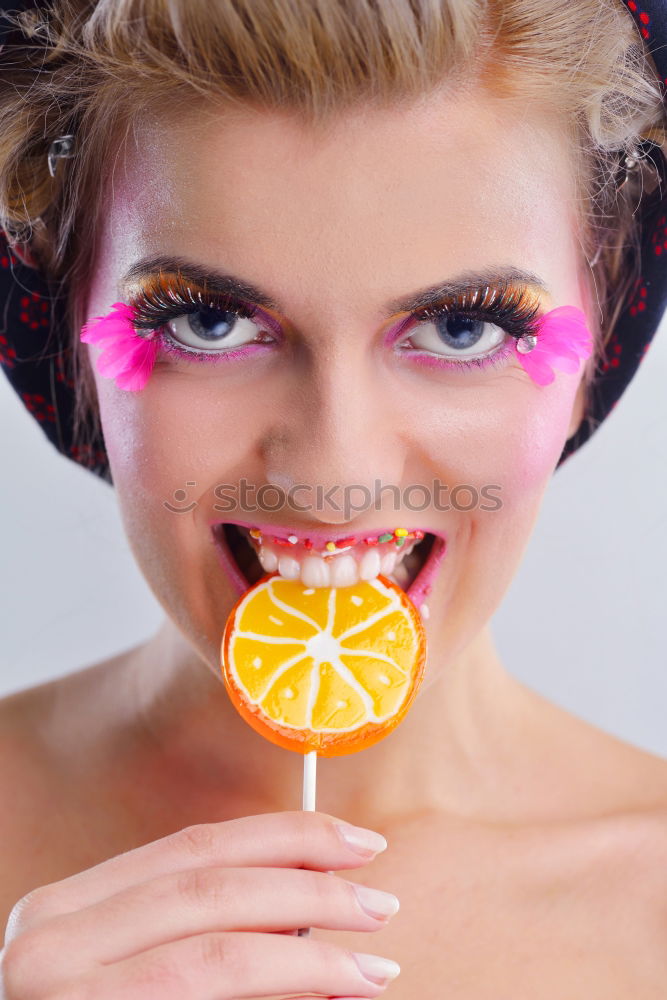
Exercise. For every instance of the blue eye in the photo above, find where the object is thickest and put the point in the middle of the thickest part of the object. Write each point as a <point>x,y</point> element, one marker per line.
<point>212,329</point>
<point>211,324</point>
<point>459,331</point>
<point>456,335</point>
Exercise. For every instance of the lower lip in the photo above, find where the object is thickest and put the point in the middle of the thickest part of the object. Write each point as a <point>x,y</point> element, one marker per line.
<point>423,582</point>
<point>417,591</point>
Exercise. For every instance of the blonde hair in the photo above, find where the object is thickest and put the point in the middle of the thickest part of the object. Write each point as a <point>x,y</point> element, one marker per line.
<point>92,68</point>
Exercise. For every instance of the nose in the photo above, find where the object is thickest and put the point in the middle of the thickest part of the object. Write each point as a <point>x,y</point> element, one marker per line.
<point>336,446</point>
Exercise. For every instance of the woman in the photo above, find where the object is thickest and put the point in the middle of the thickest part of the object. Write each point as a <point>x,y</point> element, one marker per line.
<point>353,166</point>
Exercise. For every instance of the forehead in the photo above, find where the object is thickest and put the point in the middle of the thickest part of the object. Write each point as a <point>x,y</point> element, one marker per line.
<point>455,180</point>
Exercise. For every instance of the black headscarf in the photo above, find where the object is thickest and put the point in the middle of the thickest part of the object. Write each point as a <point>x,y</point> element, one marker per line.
<point>36,353</point>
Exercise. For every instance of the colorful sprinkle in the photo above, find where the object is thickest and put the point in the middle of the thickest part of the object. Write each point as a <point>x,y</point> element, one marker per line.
<point>398,535</point>
<point>342,542</point>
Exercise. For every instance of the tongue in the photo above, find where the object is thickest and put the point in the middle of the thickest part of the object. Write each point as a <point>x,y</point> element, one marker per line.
<point>401,575</point>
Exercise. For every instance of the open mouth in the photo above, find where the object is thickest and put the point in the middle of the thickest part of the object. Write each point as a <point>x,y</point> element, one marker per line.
<point>247,557</point>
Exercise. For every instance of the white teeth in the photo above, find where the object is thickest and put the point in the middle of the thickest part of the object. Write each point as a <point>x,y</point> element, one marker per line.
<point>387,563</point>
<point>343,571</point>
<point>362,563</point>
<point>268,559</point>
<point>289,568</point>
<point>369,567</point>
<point>315,572</point>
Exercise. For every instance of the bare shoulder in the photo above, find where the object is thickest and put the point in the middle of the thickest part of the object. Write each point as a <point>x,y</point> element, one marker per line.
<point>600,839</point>
<point>596,890</point>
<point>616,867</point>
<point>635,890</point>
<point>630,841</point>
<point>44,751</point>
<point>26,791</point>
<point>22,750</point>
<point>647,851</point>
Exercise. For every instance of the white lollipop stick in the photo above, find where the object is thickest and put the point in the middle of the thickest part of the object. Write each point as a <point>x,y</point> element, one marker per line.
<point>309,794</point>
<point>309,780</point>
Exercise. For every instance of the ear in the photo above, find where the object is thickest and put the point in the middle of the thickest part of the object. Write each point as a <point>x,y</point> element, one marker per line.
<point>578,408</point>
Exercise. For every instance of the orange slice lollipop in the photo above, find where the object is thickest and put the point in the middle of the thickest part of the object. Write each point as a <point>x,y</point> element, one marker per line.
<point>329,669</point>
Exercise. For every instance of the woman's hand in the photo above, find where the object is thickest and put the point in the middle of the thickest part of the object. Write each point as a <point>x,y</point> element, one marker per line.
<point>195,914</point>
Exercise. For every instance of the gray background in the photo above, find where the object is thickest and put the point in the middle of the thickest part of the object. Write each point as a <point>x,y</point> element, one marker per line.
<point>583,622</point>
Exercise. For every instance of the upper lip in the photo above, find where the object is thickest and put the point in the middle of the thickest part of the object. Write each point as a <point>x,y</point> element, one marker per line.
<point>321,535</point>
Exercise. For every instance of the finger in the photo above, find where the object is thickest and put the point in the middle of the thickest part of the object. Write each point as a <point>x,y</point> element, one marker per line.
<point>278,840</point>
<point>236,965</point>
<point>201,900</point>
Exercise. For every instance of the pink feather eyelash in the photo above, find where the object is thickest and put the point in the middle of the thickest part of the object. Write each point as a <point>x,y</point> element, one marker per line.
<point>126,356</point>
<point>563,338</point>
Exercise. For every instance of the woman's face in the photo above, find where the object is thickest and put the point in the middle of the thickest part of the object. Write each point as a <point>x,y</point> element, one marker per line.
<point>335,228</point>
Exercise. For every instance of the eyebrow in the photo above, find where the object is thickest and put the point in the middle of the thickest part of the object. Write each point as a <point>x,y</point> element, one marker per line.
<point>223,283</point>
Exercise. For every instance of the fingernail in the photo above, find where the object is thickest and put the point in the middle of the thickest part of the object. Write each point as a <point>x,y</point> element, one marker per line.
<point>364,842</point>
<point>375,902</point>
<point>375,969</point>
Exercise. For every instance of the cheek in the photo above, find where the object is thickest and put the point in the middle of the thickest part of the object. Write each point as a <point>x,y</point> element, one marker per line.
<point>531,444</point>
<point>129,429</point>
<point>179,428</point>
<point>510,438</point>
<point>142,479</point>
<point>510,432</point>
